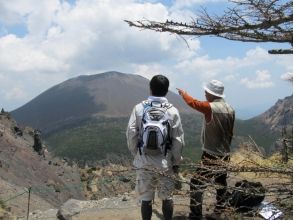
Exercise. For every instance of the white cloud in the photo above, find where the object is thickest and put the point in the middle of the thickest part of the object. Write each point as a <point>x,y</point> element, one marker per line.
<point>229,67</point>
<point>286,61</point>
<point>148,71</point>
<point>257,55</point>
<point>15,93</point>
<point>91,36</point>
<point>203,66</point>
<point>230,78</point>
<point>86,37</point>
<point>262,80</point>
<point>20,55</point>
<point>287,76</point>
<point>8,17</point>
<point>189,3</point>
<point>207,68</point>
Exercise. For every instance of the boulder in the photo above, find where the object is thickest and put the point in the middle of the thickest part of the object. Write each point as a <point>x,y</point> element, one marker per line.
<point>69,209</point>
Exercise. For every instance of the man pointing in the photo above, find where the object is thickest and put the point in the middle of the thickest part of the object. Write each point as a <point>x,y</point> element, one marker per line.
<point>216,137</point>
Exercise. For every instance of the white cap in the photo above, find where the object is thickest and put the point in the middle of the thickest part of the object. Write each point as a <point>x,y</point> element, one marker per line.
<point>215,88</point>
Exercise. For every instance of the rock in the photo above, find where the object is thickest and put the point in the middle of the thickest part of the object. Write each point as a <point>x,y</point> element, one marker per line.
<point>5,215</point>
<point>108,173</point>
<point>124,179</point>
<point>98,172</point>
<point>48,214</point>
<point>20,167</point>
<point>56,164</point>
<point>84,176</point>
<point>92,186</point>
<point>50,182</point>
<point>69,209</point>
<point>18,131</point>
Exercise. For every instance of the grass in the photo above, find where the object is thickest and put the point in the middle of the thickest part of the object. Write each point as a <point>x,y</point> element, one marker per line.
<point>2,204</point>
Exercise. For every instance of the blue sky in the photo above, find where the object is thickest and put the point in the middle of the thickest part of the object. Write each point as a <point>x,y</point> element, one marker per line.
<point>43,43</point>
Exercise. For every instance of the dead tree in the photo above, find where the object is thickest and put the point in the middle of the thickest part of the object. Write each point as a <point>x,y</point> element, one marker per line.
<point>276,178</point>
<point>246,21</point>
<point>286,138</point>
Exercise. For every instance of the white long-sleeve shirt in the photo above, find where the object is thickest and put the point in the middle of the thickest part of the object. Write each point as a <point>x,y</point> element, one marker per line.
<point>174,155</point>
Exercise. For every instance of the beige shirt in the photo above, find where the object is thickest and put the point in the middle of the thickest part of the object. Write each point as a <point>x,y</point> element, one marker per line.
<point>174,155</point>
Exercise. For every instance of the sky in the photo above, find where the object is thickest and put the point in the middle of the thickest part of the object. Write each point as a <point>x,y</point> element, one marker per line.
<point>43,43</point>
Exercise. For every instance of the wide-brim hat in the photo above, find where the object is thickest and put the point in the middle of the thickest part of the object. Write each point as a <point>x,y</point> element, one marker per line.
<point>215,87</point>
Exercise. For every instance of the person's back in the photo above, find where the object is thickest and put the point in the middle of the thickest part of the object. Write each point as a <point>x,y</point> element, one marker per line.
<point>149,160</point>
<point>218,132</point>
<point>149,166</point>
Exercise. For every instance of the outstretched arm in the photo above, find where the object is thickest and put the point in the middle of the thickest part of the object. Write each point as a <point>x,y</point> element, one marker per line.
<point>201,106</point>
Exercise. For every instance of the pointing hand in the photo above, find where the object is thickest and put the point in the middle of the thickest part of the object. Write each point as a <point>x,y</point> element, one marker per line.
<point>181,92</point>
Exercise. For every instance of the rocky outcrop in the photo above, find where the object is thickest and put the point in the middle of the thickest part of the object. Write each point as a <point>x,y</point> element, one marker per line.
<point>280,116</point>
<point>51,180</point>
<point>110,180</point>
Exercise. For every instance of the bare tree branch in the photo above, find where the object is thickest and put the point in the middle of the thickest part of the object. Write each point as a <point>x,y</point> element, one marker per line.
<point>281,51</point>
<point>249,21</point>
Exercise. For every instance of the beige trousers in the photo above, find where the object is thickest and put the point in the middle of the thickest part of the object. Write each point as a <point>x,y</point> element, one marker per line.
<point>148,182</point>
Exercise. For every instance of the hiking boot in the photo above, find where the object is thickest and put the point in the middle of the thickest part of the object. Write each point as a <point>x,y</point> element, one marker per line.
<point>167,209</point>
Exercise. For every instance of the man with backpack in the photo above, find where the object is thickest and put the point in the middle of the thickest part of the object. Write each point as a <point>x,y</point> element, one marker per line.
<point>217,133</point>
<point>155,138</point>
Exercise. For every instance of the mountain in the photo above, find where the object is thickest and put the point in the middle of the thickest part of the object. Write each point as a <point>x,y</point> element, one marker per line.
<point>278,116</point>
<point>85,118</point>
<point>266,128</point>
<point>109,94</point>
<point>51,179</point>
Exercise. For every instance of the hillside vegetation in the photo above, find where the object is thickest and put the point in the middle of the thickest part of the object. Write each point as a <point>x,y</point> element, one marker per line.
<point>85,118</point>
<point>101,138</point>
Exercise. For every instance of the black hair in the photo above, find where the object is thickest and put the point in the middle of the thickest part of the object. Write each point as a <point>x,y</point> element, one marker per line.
<point>159,85</point>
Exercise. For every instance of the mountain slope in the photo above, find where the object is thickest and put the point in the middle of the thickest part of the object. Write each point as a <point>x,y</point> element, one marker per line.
<point>21,167</point>
<point>279,116</point>
<point>85,118</point>
<point>110,94</point>
<point>267,127</point>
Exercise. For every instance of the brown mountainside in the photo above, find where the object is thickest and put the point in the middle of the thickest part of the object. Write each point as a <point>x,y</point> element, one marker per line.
<point>278,116</point>
<point>110,94</point>
<point>53,181</point>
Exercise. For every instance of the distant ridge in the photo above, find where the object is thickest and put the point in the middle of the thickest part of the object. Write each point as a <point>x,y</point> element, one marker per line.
<point>109,94</point>
<point>278,116</point>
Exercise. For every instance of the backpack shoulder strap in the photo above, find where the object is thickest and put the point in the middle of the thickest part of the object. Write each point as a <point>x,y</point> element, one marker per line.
<point>146,104</point>
<point>167,105</point>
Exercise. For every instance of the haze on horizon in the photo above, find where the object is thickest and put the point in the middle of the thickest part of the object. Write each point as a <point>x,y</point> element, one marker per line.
<point>44,43</point>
